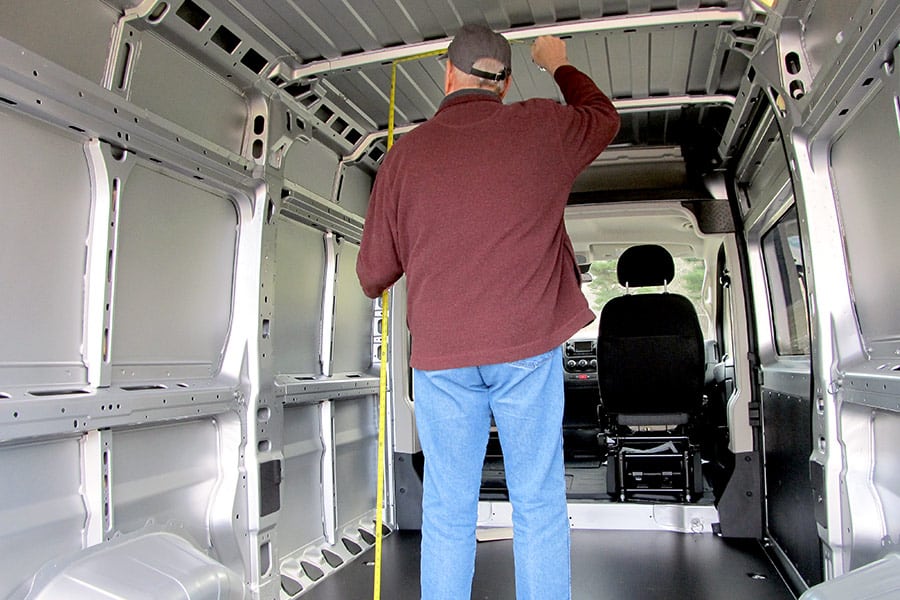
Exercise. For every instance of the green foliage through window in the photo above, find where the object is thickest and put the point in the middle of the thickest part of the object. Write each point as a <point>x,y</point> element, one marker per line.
<point>688,282</point>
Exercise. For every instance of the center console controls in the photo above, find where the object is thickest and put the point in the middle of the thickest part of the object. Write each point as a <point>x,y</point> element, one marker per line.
<point>580,363</point>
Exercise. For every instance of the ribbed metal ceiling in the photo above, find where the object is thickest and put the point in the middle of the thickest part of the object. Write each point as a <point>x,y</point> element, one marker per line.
<point>674,68</point>
<point>657,48</point>
<point>328,29</point>
<point>638,64</point>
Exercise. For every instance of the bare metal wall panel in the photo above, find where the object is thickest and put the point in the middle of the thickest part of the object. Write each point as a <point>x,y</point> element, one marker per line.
<point>42,512</point>
<point>356,441</point>
<point>771,176</point>
<point>45,198</point>
<point>311,165</point>
<point>166,474</point>
<point>886,472</point>
<point>872,479</point>
<point>869,212</point>
<point>355,191</point>
<point>299,274</point>
<point>49,28</point>
<point>823,27</point>
<point>353,316</point>
<point>180,89</point>
<point>302,509</point>
<point>174,273</point>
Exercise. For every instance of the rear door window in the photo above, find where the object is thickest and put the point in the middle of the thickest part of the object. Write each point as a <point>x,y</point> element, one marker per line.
<point>783,258</point>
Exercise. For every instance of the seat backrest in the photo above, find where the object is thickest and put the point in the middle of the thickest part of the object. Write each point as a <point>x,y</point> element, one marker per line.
<point>650,352</point>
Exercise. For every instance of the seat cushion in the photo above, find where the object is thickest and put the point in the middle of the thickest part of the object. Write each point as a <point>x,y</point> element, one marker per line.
<point>650,355</point>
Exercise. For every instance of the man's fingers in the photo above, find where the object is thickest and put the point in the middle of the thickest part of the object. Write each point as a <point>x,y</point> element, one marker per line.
<point>548,52</point>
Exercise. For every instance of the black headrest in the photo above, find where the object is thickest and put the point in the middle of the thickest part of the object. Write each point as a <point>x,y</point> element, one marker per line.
<point>646,265</point>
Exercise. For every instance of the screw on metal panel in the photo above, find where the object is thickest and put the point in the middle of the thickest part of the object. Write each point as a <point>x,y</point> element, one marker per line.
<point>696,525</point>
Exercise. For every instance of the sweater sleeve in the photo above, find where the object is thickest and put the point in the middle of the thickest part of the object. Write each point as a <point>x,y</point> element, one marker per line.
<point>378,265</point>
<point>591,122</point>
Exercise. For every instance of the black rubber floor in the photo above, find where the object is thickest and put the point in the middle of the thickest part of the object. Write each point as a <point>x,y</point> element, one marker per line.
<point>606,565</point>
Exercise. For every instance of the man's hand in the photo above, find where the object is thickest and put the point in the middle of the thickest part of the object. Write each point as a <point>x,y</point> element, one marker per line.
<point>549,53</point>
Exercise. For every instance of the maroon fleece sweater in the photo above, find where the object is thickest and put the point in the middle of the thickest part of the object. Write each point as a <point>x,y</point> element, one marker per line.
<point>470,206</point>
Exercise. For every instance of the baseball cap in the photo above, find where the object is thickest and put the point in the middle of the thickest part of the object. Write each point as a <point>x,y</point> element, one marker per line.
<point>474,42</point>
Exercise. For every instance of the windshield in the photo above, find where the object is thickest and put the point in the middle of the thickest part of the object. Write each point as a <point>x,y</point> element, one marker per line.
<point>604,285</point>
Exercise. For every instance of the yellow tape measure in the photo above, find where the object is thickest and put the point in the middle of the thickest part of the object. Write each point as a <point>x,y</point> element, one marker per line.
<point>382,425</point>
<point>382,379</point>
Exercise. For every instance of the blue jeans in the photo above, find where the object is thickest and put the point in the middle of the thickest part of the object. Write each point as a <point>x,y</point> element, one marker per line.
<point>453,417</point>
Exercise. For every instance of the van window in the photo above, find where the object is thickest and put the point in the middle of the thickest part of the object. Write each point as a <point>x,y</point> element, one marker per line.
<point>688,282</point>
<point>783,259</point>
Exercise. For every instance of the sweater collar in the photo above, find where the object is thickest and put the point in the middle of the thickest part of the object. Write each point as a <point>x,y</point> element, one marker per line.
<point>466,95</point>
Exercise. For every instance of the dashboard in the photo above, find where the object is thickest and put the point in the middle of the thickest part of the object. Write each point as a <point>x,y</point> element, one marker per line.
<point>580,363</point>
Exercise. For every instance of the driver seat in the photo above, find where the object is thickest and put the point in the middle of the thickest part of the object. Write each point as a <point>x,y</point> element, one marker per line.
<point>651,369</point>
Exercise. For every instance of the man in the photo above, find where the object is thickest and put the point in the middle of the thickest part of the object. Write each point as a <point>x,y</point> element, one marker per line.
<point>470,207</point>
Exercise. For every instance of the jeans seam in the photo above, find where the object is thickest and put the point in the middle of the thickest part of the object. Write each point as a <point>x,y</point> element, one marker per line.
<point>533,362</point>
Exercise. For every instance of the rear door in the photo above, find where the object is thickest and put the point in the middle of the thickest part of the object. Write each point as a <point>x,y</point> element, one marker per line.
<point>817,186</point>
<point>784,371</point>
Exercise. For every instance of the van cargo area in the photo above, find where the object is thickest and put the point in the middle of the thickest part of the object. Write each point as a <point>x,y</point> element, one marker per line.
<point>189,369</point>
<point>606,565</point>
